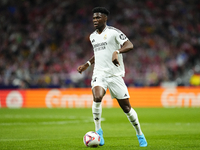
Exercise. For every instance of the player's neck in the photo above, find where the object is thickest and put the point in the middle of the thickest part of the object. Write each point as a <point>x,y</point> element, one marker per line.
<point>100,30</point>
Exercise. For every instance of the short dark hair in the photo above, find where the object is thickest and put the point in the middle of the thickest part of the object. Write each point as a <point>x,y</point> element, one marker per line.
<point>101,10</point>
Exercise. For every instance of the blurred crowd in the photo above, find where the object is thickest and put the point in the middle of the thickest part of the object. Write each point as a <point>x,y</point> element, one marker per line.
<point>43,42</point>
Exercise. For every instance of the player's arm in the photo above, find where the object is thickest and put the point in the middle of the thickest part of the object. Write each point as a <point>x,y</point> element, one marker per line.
<point>83,67</point>
<point>127,46</point>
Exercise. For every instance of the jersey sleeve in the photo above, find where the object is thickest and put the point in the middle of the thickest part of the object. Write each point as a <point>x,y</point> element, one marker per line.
<point>121,37</point>
<point>90,38</point>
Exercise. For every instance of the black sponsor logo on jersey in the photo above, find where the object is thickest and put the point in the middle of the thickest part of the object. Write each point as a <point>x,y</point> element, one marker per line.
<point>100,46</point>
<point>93,40</point>
<point>122,37</point>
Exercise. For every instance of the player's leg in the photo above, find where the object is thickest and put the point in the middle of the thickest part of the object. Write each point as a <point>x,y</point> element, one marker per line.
<point>131,114</point>
<point>118,90</point>
<point>98,93</point>
<point>99,87</point>
<point>133,118</point>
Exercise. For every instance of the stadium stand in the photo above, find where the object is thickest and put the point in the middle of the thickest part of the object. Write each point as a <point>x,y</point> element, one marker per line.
<point>42,42</point>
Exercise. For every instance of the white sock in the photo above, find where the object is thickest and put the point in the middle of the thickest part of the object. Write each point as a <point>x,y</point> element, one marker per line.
<point>133,118</point>
<point>97,111</point>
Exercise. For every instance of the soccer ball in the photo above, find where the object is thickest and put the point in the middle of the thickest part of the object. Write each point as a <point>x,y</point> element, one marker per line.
<point>91,139</point>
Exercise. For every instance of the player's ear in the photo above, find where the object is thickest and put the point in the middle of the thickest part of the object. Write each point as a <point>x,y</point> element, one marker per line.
<point>105,17</point>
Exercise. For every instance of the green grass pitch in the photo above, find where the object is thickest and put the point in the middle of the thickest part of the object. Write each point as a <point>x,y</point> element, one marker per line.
<point>63,129</point>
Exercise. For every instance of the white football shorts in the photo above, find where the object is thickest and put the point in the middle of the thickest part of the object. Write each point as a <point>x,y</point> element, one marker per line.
<point>115,84</point>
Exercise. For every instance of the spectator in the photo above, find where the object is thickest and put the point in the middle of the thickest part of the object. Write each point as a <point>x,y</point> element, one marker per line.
<point>42,42</point>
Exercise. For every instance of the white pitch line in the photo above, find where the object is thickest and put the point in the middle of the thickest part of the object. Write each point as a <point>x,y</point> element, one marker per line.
<point>41,123</point>
<point>50,122</point>
<point>38,116</point>
<point>7,140</point>
<point>177,123</point>
<point>10,140</point>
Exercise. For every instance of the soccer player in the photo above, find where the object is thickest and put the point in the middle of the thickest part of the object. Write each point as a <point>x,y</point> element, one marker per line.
<point>108,44</point>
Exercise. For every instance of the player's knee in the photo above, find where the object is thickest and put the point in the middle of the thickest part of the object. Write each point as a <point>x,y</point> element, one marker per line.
<point>98,98</point>
<point>126,109</point>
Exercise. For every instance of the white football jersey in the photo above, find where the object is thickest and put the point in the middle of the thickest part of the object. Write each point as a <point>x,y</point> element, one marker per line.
<point>104,44</point>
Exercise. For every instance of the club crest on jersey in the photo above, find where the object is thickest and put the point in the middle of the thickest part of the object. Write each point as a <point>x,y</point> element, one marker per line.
<point>105,37</point>
<point>122,37</point>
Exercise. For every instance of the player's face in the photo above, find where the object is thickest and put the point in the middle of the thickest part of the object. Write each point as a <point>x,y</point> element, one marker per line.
<point>99,20</point>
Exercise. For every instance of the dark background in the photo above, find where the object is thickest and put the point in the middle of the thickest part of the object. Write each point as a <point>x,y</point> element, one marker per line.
<point>43,42</point>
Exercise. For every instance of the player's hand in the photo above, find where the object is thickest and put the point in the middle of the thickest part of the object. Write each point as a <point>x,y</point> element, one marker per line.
<point>115,59</point>
<point>82,68</point>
